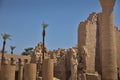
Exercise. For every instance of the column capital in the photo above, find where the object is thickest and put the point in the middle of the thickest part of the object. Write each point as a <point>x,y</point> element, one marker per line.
<point>13,61</point>
<point>5,61</point>
<point>107,3</point>
<point>21,63</point>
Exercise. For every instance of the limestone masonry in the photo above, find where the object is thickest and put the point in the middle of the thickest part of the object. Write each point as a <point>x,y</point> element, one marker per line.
<point>95,57</point>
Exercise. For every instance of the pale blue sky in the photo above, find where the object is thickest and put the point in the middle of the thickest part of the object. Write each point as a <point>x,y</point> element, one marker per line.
<point>23,18</point>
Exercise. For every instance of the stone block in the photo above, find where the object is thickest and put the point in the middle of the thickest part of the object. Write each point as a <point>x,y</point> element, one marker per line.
<point>93,76</point>
<point>55,78</point>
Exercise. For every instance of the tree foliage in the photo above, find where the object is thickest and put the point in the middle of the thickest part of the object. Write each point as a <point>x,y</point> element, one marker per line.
<point>6,36</point>
<point>12,48</point>
<point>27,51</point>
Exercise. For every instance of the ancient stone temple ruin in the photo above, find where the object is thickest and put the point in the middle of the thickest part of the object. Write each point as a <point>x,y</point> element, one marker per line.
<point>17,67</point>
<point>95,57</point>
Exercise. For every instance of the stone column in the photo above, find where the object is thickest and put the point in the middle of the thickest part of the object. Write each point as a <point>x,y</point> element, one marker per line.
<point>5,61</point>
<point>13,61</point>
<point>20,72</point>
<point>30,71</point>
<point>47,68</point>
<point>107,41</point>
<point>8,71</point>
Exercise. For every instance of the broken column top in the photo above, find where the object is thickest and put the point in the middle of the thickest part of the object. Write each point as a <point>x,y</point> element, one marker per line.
<point>107,3</point>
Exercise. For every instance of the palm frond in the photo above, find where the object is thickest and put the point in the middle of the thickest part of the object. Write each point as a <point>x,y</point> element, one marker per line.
<point>12,47</point>
<point>6,36</point>
<point>44,25</point>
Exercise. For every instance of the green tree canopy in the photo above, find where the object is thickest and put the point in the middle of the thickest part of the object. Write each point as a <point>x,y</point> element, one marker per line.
<point>12,48</point>
<point>28,51</point>
<point>6,36</point>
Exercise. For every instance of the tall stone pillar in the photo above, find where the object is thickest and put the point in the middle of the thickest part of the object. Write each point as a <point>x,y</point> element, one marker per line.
<point>8,71</point>
<point>20,72</point>
<point>47,72</point>
<point>13,62</point>
<point>107,41</point>
<point>30,71</point>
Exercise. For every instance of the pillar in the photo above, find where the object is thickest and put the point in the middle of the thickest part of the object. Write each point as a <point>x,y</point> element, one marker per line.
<point>107,41</point>
<point>30,71</point>
<point>47,72</point>
<point>8,71</point>
<point>20,72</point>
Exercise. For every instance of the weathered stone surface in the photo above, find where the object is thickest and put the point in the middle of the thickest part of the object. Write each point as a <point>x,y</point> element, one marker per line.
<point>11,62</point>
<point>97,47</point>
<point>74,64</point>
<point>56,79</point>
<point>8,72</point>
<point>20,70</point>
<point>107,3</point>
<point>108,45</point>
<point>92,76</point>
<point>60,69</point>
<point>47,68</point>
<point>118,48</point>
<point>87,41</point>
<point>37,55</point>
<point>30,71</point>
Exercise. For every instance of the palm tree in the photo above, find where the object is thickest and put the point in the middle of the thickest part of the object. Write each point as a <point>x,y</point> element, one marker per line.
<point>4,51</point>
<point>5,37</point>
<point>12,48</point>
<point>44,25</point>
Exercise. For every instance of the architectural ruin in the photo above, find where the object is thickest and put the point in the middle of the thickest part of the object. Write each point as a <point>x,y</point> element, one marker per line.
<point>96,56</point>
<point>17,67</point>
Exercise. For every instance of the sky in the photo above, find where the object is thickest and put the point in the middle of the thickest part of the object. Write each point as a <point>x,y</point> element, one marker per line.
<point>23,18</point>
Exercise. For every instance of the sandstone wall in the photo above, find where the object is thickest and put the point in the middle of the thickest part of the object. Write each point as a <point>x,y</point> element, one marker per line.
<point>87,40</point>
<point>98,65</point>
<point>60,69</point>
<point>118,47</point>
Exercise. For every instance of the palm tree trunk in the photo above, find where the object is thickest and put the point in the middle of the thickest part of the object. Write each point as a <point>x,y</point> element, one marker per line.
<point>43,43</point>
<point>11,51</point>
<point>3,50</point>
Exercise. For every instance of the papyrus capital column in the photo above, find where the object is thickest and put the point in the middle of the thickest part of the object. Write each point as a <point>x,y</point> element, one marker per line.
<point>21,63</point>
<point>30,71</point>
<point>20,72</point>
<point>107,41</point>
<point>107,3</point>
<point>107,6</point>
<point>13,61</point>
<point>8,72</point>
<point>47,69</point>
<point>5,61</point>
